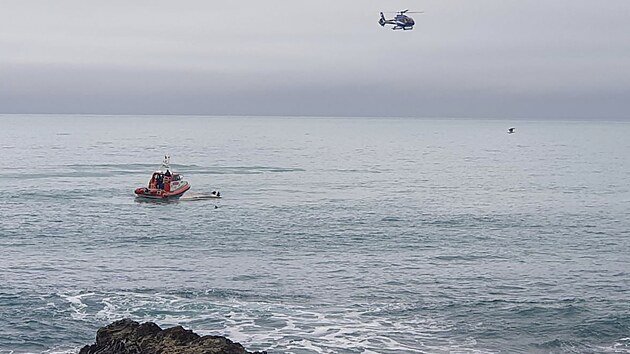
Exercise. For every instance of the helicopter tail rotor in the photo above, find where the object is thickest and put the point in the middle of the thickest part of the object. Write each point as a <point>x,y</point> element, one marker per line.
<point>382,20</point>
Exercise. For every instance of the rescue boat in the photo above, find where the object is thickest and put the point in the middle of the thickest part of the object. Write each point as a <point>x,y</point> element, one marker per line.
<point>164,184</point>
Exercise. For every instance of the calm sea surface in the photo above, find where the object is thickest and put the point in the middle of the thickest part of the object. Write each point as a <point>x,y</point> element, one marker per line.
<point>333,236</point>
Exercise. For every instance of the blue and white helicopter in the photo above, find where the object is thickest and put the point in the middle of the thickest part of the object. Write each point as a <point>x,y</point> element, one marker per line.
<point>401,21</point>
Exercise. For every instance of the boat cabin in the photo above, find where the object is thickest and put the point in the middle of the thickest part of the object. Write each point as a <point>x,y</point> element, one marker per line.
<point>165,180</point>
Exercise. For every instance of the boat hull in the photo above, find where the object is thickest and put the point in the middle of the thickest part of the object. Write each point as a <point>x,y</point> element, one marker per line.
<point>152,193</point>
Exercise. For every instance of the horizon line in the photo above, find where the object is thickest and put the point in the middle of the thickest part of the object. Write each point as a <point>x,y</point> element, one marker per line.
<point>539,118</point>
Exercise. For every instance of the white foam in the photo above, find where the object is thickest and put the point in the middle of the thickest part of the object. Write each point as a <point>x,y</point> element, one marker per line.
<point>620,346</point>
<point>62,350</point>
<point>278,326</point>
<point>76,305</point>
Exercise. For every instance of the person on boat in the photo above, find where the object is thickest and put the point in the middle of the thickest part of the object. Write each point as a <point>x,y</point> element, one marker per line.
<point>167,181</point>
<point>160,181</point>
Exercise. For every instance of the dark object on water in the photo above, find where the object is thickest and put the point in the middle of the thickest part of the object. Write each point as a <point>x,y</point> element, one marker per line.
<point>130,337</point>
<point>511,131</point>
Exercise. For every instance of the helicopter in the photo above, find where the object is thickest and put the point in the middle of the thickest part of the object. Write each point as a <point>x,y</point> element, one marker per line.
<point>401,21</point>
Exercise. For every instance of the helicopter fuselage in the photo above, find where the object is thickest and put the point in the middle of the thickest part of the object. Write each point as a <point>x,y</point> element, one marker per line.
<point>404,21</point>
<point>400,21</point>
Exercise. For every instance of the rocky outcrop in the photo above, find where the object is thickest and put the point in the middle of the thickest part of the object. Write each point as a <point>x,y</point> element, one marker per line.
<point>130,337</point>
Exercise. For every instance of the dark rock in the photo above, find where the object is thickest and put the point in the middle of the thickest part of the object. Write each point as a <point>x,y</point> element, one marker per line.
<point>130,337</point>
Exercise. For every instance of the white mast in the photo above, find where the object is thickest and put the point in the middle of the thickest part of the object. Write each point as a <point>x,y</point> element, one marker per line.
<point>166,164</point>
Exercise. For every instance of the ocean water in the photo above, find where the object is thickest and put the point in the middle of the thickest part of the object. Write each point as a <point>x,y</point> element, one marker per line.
<point>335,235</point>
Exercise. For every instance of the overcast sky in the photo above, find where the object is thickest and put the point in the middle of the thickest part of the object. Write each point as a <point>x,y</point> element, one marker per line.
<point>465,58</point>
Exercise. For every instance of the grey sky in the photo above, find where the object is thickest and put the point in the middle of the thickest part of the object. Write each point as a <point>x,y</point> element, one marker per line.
<point>485,58</point>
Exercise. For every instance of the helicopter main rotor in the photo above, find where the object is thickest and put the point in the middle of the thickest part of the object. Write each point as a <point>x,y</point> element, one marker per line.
<point>403,12</point>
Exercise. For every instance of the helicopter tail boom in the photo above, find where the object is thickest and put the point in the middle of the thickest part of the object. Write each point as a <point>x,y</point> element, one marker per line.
<point>383,21</point>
